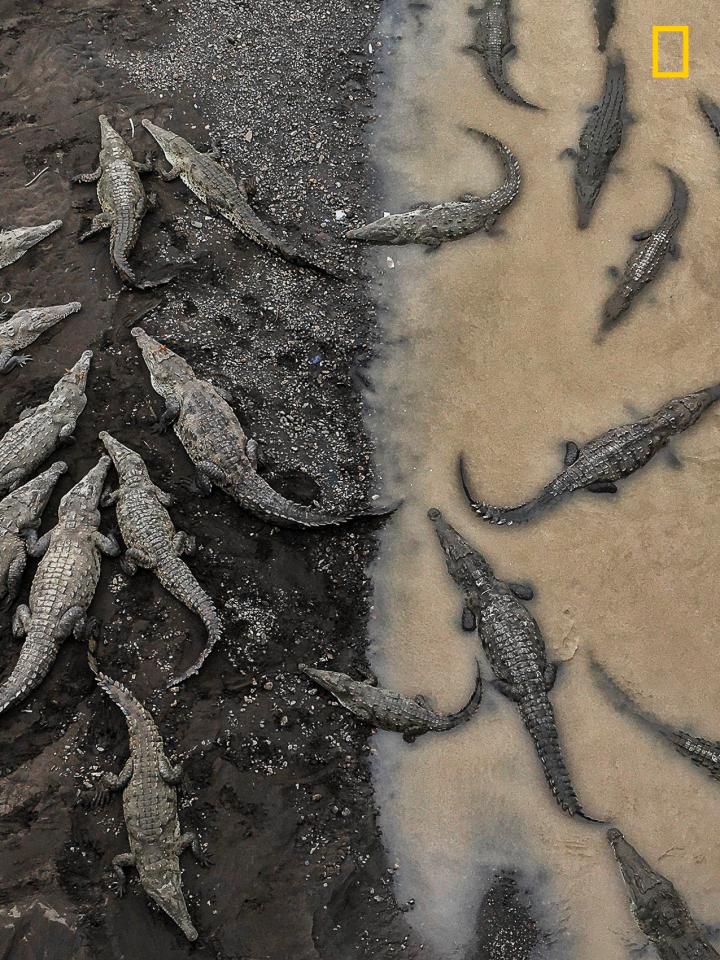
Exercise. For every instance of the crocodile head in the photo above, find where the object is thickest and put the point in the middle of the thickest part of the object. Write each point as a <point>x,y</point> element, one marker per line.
<point>22,238</point>
<point>38,319</point>
<point>171,145</point>
<point>80,503</point>
<point>160,877</point>
<point>339,684</point>
<point>129,465</point>
<point>682,412</point>
<point>107,131</point>
<point>167,370</point>
<point>28,502</point>
<point>71,386</point>
<point>384,230</point>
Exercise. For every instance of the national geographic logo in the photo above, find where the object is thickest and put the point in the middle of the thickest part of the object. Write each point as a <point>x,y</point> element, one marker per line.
<point>658,35</point>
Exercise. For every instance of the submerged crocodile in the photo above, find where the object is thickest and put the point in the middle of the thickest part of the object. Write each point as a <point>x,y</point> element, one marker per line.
<point>24,328</point>
<point>604,11</point>
<point>16,243</point>
<point>153,543</point>
<point>63,586</point>
<point>659,910</point>
<point>597,464</point>
<point>433,225</point>
<point>223,456</point>
<point>41,429</point>
<point>711,112</point>
<point>599,141</point>
<point>647,261</point>
<point>515,648</point>
<point>389,710</point>
<point>493,42</point>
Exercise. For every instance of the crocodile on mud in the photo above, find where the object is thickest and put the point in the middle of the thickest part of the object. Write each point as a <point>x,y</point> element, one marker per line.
<point>659,910</point>
<point>24,328</point>
<point>16,243</point>
<point>63,586</point>
<point>647,261</point>
<point>515,649</point>
<point>433,225</point>
<point>493,42</point>
<point>604,11</point>
<point>599,141</point>
<point>212,436</point>
<point>41,429</point>
<point>597,464</point>
<point>153,543</point>
<point>388,710</point>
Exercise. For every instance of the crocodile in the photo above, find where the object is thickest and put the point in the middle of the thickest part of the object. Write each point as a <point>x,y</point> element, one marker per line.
<point>647,261</point>
<point>212,436</point>
<point>388,710</point>
<point>604,11</point>
<point>659,910</point>
<point>711,111</point>
<point>433,225</point>
<point>153,543</point>
<point>599,141</point>
<point>63,586</point>
<point>24,328</point>
<point>16,243</point>
<point>493,42</point>
<point>597,464</point>
<point>149,791</point>
<point>213,185</point>
<point>515,649</point>
<point>41,429</point>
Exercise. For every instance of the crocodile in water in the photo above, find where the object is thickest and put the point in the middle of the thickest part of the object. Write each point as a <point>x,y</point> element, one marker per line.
<point>604,20</point>
<point>493,42</point>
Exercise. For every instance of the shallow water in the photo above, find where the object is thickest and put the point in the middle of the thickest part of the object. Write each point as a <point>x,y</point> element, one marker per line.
<point>491,352</point>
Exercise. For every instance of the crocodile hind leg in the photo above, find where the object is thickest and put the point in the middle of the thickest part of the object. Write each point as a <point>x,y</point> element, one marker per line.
<point>190,839</point>
<point>121,863</point>
<point>14,578</point>
<point>549,676</point>
<point>107,545</point>
<point>184,544</point>
<point>134,558</point>
<point>36,546</point>
<point>99,223</point>
<point>170,774</point>
<point>92,177</point>
<point>21,621</point>
<point>71,622</point>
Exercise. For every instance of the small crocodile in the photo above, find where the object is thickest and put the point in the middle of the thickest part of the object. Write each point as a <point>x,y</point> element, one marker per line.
<point>389,710</point>
<point>433,225</point>
<point>24,328</point>
<point>599,141</point>
<point>16,243</point>
<point>515,648</point>
<point>647,261</point>
<point>604,11</point>
<point>597,464</point>
<point>63,586</point>
<point>153,543</point>
<point>223,456</point>
<point>711,111</point>
<point>493,42</point>
<point>41,429</point>
<point>659,910</point>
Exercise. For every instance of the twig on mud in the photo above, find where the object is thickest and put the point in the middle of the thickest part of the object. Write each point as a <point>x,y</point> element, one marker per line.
<point>132,126</point>
<point>37,176</point>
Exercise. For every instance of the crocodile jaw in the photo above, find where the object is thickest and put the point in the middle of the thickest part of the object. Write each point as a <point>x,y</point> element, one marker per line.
<point>167,370</point>
<point>165,140</point>
<point>39,319</point>
<point>165,890</point>
<point>75,380</point>
<point>127,463</point>
<point>453,545</point>
<point>329,679</point>
<point>82,500</point>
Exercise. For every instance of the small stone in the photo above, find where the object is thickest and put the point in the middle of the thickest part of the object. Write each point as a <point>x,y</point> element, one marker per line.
<point>248,135</point>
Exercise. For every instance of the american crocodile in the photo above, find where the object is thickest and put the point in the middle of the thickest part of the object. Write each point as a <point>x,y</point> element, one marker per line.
<point>599,141</point>
<point>41,429</point>
<point>223,456</point>
<point>493,42</point>
<point>647,261</point>
<point>711,112</point>
<point>16,243</point>
<point>63,586</point>
<point>515,648</point>
<point>597,464</point>
<point>604,20</point>
<point>433,225</point>
<point>659,910</point>
<point>153,543</point>
<point>389,710</point>
<point>24,328</point>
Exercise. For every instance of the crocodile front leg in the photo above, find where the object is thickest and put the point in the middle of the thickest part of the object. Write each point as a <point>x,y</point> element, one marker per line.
<point>170,774</point>
<point>8,362</point>
<point>107,545</point>
<point>99,223</point>
<point>121,863</point>
<point>109,497</point>
<point>134,558</point>
<point>21,621</point>
<point>169,175</point>
<point>36,546</point>
<point>92,177</point>
<point>168,417</point>
<point>72,621</point>
<point>184,544</point>
<point>121,780</point>
<point>190,839</point>
<point>12,480</point>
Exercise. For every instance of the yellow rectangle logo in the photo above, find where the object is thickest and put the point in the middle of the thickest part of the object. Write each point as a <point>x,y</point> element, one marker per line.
<point>685,33</point>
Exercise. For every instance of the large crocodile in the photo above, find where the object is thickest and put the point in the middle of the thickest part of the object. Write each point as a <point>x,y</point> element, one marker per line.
<point>16,243</point>
<point>604,11</point>
<point>388,710</point>
<point>153,543</point>
<point>212,436</point>
<point>24,328</point>
<point>41,429</point>
<point>599,141</point>
<point>659,910</point>
<point>433,225</point>
<point>63,586</point>
<point>597,464</point>
<point>493,42</point>
<point>515,648</point>
<point>647,261</point>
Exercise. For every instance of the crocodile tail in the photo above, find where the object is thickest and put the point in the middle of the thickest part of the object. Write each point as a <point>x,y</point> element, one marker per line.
<point>506,516</point>
<point>453,719</point>
<point>33,665</point>
<point>134,712</point>
<point>712,113</point>
<point>255,230</point>
<point>497,74</point>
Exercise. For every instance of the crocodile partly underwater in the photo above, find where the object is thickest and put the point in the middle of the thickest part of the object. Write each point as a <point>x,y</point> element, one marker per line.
<point>604,11</point>
<point>711,112</point>
<point>16,243</point>
<point>24,328</point>
<point>597,464</point>
<point>493,42</point>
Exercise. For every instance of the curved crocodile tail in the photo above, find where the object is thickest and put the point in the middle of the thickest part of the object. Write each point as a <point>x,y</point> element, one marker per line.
<point>496,73</point>
<point>505,516</point>
<point>36,658</point>
<point>127,274</point>
<point>681,194</point>
<point>134,712</point>
<point>466,712</point>
<point>712,113</point>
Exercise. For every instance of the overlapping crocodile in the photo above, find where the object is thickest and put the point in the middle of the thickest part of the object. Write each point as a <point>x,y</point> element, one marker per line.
<point>24,328</point>
<point>493,42</point>
<point>660,911</point>
<point>153,543</point>
<point>434,224</point>
<point>16,243</point>
<point>63,586</point>
<point>411,716</point>
<point>41,429</point>
<point>597,464</point>
<point>222,454</point>
<point>515,649</point>
<point>604,11</point>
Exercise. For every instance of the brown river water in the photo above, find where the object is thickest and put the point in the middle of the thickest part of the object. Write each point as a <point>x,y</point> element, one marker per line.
<point>490,350</point>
